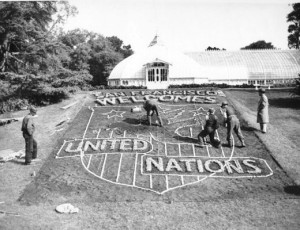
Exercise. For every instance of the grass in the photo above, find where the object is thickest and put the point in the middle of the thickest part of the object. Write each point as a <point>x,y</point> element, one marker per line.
<point>283,110</point>
<point>207,205</point>
<point>11,138</point>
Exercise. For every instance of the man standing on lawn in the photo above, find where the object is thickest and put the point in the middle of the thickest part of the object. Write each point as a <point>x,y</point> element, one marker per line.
<point>151,106</point>
<point>232,123</point>
<point>28,128</point>
<point>263,110</point>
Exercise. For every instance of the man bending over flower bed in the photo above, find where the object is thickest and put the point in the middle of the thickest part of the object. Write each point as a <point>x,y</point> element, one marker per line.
<point>151,106</point>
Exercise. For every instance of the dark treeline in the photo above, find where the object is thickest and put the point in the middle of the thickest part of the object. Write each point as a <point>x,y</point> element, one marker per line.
<point>40,63</point>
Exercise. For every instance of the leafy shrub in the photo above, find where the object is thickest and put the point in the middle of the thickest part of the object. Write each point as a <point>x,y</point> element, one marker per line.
<point>126,87</point>
<point>13,104</point>
<point>48,95</point>
<point>81,79</point>
<point>99,87</point>
<point>296,86</point>
<point>19,90</point>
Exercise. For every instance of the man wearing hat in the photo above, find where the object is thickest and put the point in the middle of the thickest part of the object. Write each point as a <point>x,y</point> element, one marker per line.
<point>28,128</point>
<point>211,125</point>
<point>263,110</point>
<point>232,124</point>
<point>151,107</point>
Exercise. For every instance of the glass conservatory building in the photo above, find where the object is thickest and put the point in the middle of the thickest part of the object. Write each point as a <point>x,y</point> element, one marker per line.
<point>157,67</point>
<point>262,67</point>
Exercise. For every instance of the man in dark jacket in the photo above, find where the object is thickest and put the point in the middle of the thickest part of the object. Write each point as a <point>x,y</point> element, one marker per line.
<point>151,106</point>
<point>232,123</point>
<point>210,127</point>
<point>28,128</point>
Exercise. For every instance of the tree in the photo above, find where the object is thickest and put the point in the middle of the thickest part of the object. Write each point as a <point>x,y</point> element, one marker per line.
<point>73,37</point>
<point>127,51</point>
<point>115,42</point>
<point>259,45</point>
<point>103,59</point>
<point>80,57</point>
<point>94,52</point>
<point>25,34</point>
<point>296,91</point>
<point>294,28</point>
<point>118,46</point>
<point>79,49</point>
<point>214,48</point>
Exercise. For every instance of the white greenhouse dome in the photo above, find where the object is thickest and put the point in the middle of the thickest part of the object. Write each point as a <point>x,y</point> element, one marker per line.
<point>157,67</point>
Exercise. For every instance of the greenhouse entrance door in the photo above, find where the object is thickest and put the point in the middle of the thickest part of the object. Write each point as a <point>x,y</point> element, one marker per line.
<point>157,75</point>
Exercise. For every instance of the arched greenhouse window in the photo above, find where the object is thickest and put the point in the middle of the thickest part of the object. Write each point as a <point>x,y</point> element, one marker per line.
<point>157,71</point>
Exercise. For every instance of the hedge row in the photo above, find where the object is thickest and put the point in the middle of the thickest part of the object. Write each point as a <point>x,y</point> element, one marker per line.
<point>19,91</point>
<point>103,87</point>
<point>212,85</point>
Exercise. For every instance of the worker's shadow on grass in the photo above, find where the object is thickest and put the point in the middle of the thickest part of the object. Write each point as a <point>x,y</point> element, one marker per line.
<point>186,139</point>
<point>20,161</point>
<point>139,121</point>
<point>248,128</point>
<point>226,145</point>
<point>294,189</point>
<point>293,102</point>
<point>134,121</point>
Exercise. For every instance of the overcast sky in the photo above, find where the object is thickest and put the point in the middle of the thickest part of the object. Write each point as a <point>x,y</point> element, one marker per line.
<point>187,25</point>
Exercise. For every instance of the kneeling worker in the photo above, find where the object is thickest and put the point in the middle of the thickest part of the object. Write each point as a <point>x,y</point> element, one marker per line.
<point>151,106</point>
<point>232,123</point>
<point>210,128</point>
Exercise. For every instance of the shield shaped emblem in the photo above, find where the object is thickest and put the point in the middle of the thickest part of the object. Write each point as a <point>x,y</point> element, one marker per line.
<point>160,166</point>
<point>156,164</point>
<point>127,168</point>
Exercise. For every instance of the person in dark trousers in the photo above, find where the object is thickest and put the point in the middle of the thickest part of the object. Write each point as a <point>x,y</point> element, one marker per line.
<point>210,127</point>
<point>232,123</point>
<point>28,128</point>
<point>151,106</point>
<point>263,110</point>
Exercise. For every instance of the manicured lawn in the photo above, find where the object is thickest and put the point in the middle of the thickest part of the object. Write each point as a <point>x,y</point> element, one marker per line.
<point>284,110</point>
<point>110,187</point>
